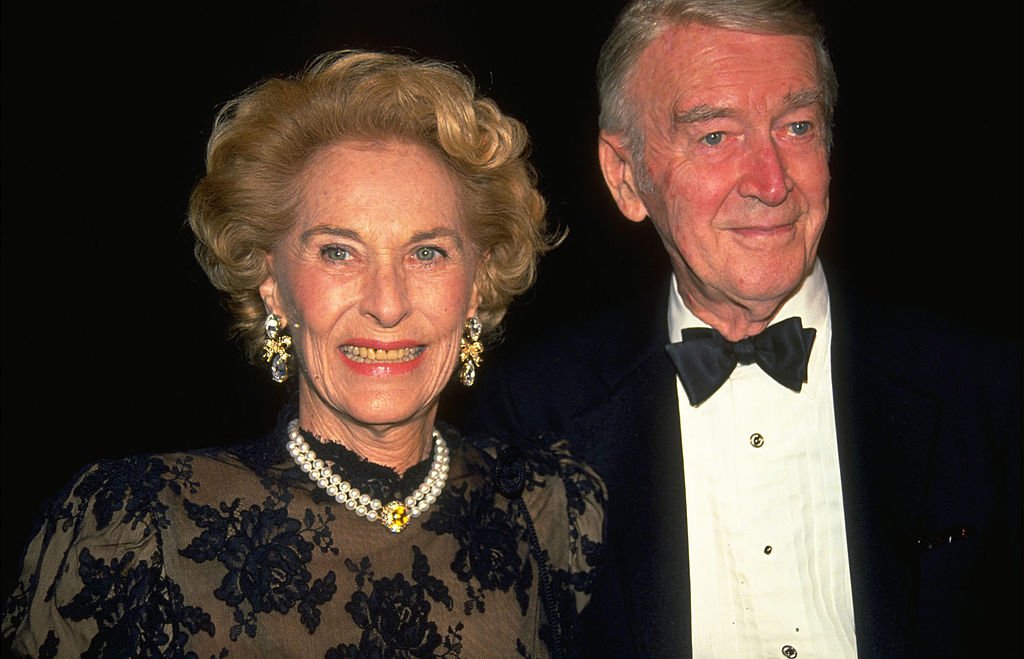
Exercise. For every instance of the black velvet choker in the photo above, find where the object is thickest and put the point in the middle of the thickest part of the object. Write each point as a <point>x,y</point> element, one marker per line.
<point>377,480</point>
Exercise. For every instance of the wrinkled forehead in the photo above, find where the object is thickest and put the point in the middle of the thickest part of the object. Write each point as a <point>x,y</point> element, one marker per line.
<point>695,64</point>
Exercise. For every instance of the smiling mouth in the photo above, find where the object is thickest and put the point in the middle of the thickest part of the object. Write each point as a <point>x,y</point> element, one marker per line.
<point>765,229</point>
<point>364,355</point>
<point>763,232</point>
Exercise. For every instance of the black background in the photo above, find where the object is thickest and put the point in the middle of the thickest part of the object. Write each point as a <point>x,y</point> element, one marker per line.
<point>113,341</point>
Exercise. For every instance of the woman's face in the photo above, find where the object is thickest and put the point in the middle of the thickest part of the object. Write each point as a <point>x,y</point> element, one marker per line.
<point>374,282</point>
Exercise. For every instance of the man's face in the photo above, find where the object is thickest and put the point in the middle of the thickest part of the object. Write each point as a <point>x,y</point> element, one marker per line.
<point>736,159</point>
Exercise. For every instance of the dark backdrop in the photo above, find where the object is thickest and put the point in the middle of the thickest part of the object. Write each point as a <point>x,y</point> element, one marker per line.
<point>113,342</point>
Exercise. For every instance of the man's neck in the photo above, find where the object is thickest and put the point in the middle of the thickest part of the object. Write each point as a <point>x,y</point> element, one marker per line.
<point>733,321</point>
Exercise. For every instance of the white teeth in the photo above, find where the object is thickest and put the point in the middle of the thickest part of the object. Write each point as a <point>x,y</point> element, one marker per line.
<point>367,355</point>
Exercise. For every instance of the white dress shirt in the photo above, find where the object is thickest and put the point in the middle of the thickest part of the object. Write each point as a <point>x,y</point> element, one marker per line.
<point>769,571</point>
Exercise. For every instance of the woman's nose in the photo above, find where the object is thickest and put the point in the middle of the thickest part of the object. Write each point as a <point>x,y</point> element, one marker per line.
<point>384,296</point>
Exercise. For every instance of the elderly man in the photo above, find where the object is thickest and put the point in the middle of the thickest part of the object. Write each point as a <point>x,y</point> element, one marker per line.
<point>846,492</point>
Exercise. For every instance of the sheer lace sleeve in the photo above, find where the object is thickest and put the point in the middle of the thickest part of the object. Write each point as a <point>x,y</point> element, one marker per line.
<point>92,577</point>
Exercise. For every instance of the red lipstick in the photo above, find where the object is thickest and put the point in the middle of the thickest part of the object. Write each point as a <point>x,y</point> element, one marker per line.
<point>381,358</point>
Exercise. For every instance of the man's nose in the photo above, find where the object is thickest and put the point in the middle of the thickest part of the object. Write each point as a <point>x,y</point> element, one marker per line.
<point>764,176</point>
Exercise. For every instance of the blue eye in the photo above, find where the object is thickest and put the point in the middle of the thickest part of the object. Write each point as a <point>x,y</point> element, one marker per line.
<point>335,253</point>
<point>713,139</point>
<point>428,253</point>
<point>800,127</point>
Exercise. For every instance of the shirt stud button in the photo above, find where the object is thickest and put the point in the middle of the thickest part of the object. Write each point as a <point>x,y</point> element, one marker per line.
<point>757,440</point>
<point>788,651</point>
<point>768,550</point>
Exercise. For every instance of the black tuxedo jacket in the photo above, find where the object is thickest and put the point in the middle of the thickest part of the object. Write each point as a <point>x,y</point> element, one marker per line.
<point>929,431</point>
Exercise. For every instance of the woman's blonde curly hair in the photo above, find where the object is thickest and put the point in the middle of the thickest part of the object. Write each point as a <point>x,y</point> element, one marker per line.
<point>263,140</point>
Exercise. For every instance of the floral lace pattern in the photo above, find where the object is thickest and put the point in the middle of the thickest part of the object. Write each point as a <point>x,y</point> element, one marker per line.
<point>235,552</point>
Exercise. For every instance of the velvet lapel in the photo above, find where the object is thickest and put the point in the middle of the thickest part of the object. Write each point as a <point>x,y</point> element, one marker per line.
<point>647,518</point>
<point>885,432</point>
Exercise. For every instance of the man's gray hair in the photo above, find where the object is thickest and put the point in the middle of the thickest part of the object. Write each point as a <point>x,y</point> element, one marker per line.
<point>643,21</point>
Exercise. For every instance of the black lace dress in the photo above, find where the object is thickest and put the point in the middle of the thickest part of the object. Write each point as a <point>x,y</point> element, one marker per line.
<point>237,553</point>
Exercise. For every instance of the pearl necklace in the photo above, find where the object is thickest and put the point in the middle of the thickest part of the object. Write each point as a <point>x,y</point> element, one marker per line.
<point>395,515</point>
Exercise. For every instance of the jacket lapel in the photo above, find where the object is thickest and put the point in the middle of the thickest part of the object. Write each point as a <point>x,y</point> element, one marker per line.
<point>647,515</point>
<point>885,431</point>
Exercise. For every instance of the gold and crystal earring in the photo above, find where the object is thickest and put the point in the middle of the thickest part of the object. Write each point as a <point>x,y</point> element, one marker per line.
<point>470,351</point>
<point>275,348</point>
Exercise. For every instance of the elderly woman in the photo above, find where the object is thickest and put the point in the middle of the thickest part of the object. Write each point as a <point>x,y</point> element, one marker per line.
<point>369,221</point>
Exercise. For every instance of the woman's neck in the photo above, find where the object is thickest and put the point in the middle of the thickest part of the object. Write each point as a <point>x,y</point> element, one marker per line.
<point>398,446</point>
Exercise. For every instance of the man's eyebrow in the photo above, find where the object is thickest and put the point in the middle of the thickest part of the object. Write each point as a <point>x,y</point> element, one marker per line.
<point>699,113</point>
<point>804,98</point>
<point>705,112</point>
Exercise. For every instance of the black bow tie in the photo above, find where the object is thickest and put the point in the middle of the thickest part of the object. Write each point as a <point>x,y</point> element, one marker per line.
<point>705,359</point>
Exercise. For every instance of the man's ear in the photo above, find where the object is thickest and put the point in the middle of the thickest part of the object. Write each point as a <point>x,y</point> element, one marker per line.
<point>617,167</point>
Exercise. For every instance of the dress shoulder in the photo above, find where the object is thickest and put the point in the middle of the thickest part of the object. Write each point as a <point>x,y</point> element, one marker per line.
<point>565,499</point>
<point>96,561</point>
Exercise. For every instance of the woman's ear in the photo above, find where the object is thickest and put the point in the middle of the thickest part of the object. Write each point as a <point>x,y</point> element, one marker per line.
<point>474,302</point>
<point>474,294</point>
<point>270,293</point>
<point>617,167</point>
